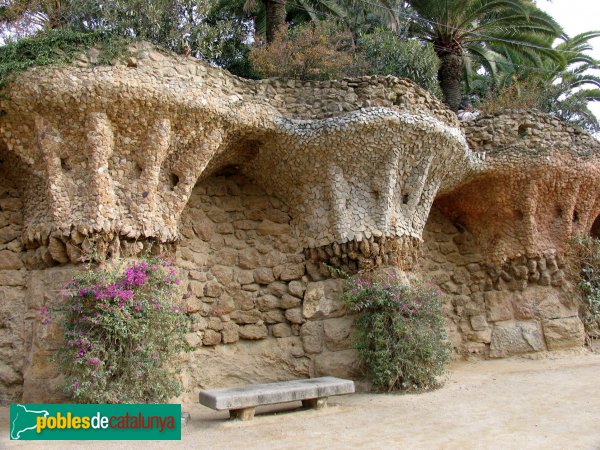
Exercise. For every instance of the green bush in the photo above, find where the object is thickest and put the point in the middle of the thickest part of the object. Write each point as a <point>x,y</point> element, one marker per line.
<point>122,330</point>
<point>55,47</point>
<point>387,53</point>
<point>585,258</point>
<point>400,332</point>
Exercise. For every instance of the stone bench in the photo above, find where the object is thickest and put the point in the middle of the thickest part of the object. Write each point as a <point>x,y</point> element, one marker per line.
<point>242,401</point>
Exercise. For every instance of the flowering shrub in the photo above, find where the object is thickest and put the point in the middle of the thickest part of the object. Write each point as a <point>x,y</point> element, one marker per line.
<point>585,268</point>
<point>400,332</point>
<point>307,52</point>
<point>121,330</point>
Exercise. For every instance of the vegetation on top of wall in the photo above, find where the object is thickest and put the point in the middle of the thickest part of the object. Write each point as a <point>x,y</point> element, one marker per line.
<point>470,50</point>
<point>401,336</point>
<point>122,329</point>
<point>327,51</point>
<point>563,89</point>
<point>585,259</point>
<point>55,47</point>
<point>387,53</point>
<point>309,52</point>
<point>535,93</point>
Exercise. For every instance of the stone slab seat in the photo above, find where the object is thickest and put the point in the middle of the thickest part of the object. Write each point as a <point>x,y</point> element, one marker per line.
<point>242,401</point>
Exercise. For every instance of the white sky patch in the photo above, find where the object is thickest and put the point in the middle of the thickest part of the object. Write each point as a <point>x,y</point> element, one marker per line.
<point>577,16</point>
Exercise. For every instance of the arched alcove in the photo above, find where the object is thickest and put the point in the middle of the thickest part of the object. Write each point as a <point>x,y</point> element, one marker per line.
<point>243,269</point>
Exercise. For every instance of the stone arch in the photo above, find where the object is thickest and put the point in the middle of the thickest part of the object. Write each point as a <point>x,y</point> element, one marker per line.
<point>244,272</point>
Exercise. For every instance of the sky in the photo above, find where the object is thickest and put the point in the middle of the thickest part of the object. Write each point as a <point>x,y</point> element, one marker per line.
<point>577,16</point>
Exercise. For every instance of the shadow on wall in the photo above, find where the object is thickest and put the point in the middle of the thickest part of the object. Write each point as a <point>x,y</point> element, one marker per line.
<point>13,307</point>
<point>595,232</point>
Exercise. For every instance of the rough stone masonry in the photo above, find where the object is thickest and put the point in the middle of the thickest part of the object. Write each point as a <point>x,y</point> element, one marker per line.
<point>253,185</point>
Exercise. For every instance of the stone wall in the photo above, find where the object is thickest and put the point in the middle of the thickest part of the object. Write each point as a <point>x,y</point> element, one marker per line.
<point>258,314</point>
<point>14,317</point>
<point>527,129</point>
<point>538,187</point>
<point>524,305</point>
<point>141,133</point>
<point>41,380</point>
<point>27,348</point>
<point>256,184</point>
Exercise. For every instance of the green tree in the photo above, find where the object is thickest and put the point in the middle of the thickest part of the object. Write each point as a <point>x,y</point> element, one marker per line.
<point>194,26</point>
<point>311,51</point>
<point>356,16</point>
<point>387,53</point>
<point>48,14</point>
<point>465,30</point>
<point>574,83</point>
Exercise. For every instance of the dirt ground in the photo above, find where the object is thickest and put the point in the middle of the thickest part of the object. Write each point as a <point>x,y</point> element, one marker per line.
<point>550,402</point>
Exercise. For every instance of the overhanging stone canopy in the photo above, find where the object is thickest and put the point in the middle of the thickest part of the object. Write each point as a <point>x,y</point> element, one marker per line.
<point>540,186</point>
<point>372,172</point>
<point>111,155</point>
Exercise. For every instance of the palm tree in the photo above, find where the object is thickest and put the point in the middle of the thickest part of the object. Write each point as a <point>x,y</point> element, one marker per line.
<point>576,70</point>
<point>577,83</point>
<point>355,15</point>
<point>48,14</point>
<point>268,15</point>
<point>563,88</point>
<point>275,17</point>
<point>461,30</point>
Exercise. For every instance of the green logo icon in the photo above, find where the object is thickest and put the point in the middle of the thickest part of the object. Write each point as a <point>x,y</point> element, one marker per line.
<point>94,422</point>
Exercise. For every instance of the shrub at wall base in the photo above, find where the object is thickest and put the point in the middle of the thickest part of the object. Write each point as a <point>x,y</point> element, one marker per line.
<point>400,331</point>
<point>122,328</point>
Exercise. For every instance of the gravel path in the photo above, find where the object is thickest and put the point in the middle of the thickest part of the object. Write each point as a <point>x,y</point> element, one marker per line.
<point>547,403</point>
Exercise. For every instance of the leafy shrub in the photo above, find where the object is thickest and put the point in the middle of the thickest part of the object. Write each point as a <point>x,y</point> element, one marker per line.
<point>585,257</point>
<point>400,332</point>
<point>386,53</point>
<point>307,52</point>
<point>54,47</point>
<point>519,94</point>
<point>122,328</point>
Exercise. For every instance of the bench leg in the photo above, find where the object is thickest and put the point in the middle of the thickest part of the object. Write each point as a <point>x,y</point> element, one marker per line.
<point>242,414</point>
<point>315,403</point>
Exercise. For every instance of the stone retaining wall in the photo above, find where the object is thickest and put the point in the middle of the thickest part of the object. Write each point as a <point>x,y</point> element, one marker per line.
<point>525,305</point>
<point>265,190</point>
<point>14,317</point>
<point>251,294</point>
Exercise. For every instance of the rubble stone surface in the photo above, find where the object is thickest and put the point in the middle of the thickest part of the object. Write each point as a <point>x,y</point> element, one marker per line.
<point>266,193</point>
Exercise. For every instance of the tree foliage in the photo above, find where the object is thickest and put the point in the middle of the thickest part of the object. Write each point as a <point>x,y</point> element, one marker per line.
<point>55,47</point>
<point>563,88</point>
<point>386,53</point>
<point>308,52</point>
<point>488,49</point>
<point>193,26</point>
